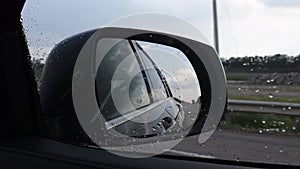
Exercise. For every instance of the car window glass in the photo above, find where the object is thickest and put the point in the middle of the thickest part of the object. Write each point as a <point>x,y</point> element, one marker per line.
<point>258,48</point>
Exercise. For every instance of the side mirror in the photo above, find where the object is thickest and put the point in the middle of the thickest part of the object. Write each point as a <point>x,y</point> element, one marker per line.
<point>133,86</point>
<point>124,89</point>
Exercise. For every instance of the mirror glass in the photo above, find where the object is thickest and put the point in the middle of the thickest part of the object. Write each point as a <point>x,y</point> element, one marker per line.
<point>145,89</point>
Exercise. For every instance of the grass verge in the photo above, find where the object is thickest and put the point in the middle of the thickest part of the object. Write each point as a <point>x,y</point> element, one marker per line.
<point>265,98</point>
<point>262,123</point>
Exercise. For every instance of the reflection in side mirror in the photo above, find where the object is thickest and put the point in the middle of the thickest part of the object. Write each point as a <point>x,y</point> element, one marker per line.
<point>146,89</point>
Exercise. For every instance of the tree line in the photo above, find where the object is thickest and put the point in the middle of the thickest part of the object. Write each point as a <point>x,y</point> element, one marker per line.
<point>257,64</point>
<point>37,67</point>
<point>263,64</point>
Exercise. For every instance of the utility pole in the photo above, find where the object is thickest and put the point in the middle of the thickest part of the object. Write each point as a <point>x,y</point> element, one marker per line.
<point>215,22</point>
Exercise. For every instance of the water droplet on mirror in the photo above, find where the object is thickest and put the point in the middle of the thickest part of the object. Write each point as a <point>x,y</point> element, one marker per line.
<point>270,96</point>
<point>281,151</point>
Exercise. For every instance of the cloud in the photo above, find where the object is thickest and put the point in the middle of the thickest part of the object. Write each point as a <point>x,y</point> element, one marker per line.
<point>39,52</point>
<point>282,3</point>
<point>252,28</point>
<point>246,27</point>
<point>184,84</point>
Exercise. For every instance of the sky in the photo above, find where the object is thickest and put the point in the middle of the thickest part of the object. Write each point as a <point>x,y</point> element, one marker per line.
<point>246,27</point>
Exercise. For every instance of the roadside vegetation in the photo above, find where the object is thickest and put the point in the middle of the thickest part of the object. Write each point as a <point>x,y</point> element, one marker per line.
<point>261,123</point>
<point>269,78</point>
<point>262,64</point>
<point>284,99</point>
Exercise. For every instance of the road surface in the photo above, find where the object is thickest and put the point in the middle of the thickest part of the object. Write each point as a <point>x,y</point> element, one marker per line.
<point>244,146</point>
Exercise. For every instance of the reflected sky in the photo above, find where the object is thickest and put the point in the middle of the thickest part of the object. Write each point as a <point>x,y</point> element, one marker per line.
<point>176,68</point>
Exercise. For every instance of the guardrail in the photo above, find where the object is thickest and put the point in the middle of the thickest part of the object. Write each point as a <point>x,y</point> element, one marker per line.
<point>280,108</point>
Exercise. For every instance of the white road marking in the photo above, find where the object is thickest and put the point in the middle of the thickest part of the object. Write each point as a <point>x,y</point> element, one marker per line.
<point>191,154</point>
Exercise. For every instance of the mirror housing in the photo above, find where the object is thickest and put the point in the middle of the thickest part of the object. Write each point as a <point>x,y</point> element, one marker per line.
<point>68,94</point>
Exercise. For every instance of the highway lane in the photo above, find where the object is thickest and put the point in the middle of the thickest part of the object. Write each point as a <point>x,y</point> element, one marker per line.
<point>244,146</point>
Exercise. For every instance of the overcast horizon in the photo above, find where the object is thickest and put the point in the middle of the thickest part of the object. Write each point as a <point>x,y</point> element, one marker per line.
<point>246,27</point>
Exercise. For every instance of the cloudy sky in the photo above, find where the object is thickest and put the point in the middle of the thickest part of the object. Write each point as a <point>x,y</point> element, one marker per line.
<point>246,27</point>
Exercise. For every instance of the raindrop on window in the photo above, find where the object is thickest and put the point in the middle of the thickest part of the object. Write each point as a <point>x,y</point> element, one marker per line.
<point>270,96</point>
<point>237,158</point>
